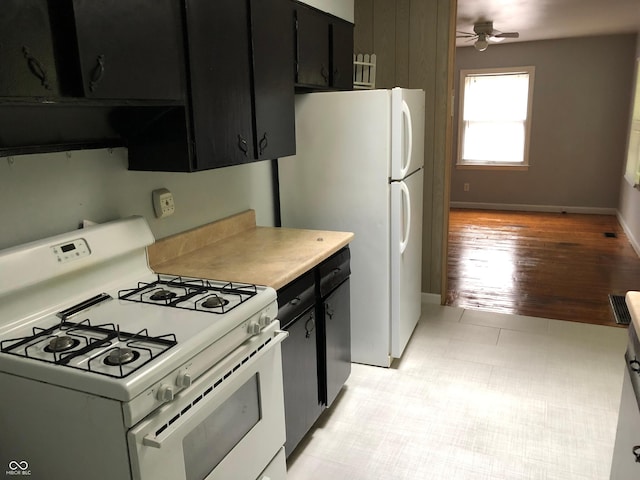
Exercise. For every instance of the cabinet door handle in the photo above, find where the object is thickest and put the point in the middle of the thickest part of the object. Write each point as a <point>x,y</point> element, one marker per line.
<point>97,73</point>
<point>264,143</point>
<point>295,301</point>
<point>636,452</point>
<point>325,73</point>
<point>336,74</point>
<point>328,310</point>
<point>309,326</point>
<point>242,145</point>
<point>634,365</point>
<point>36,67</point>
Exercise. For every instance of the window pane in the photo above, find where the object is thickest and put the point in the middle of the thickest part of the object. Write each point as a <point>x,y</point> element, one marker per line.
<point>496,97</point>
<point>500,142</point>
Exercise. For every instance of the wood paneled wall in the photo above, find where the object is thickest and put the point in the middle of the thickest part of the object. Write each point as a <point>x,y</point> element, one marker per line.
<point>414,41</point>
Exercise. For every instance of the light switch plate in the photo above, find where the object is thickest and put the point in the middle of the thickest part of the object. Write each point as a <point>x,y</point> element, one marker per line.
<point>163,204</point>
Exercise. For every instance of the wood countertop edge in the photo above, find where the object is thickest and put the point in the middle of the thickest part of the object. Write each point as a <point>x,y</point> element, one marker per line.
<point>633,303</point>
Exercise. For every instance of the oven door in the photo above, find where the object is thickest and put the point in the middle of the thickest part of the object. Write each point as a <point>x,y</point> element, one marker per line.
<point>228,424</point>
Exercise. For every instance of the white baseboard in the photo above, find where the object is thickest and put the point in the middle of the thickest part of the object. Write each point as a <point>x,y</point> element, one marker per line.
<point>632,240</point>
<point>431,298</point>
<point>535,208</point>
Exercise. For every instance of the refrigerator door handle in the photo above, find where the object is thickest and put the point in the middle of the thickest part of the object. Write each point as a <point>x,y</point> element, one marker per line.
<point>406,199</point>
<point>406,113</point>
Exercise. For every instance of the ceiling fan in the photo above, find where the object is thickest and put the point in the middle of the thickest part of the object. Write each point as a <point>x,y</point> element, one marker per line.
<point>484,33</point>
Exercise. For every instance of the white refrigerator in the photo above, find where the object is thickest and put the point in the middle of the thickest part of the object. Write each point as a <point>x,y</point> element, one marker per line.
<point>359,168</point>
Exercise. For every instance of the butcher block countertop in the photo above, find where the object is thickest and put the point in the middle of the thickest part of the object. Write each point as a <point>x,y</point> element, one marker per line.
<point>633,303</point>
<point>235,249</point>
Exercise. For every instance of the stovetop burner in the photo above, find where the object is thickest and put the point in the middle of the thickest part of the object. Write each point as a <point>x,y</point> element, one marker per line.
<point>61,344</point>
<point>162,294</point>
<point>214,301</point>
<point>121,356</point>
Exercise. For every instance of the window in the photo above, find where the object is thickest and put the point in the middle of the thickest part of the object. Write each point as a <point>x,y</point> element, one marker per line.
<point>495,117</point>
<point>632,171</point>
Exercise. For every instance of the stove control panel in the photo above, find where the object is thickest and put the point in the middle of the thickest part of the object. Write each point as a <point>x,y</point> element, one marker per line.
<point>70,251</point>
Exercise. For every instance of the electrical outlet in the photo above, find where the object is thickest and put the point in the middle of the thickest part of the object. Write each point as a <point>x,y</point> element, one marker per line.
<point>466,187</point>
<point>163,204</point>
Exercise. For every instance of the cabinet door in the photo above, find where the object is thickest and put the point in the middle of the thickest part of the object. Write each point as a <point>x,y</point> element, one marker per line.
<point>341,55</point>
<point>312,48</point>
<point>300,379</point>
<point>273,64</point>
<point>130,49</point>
<point>624,465</point>
<point>219,50</point>
<point>337,329</point>
<point>27,65</point>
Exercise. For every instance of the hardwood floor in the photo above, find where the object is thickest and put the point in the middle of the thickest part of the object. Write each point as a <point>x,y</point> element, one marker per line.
<point>559,266</point>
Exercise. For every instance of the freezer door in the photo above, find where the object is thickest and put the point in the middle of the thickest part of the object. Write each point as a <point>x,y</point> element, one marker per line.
<point>406,259</point>
<point>407,131</point>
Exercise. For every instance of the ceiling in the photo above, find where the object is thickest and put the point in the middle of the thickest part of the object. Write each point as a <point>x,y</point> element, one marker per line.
<point>546,19</point>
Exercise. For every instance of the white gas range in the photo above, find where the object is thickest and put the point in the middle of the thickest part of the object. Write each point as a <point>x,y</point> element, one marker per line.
<point>139,375</point>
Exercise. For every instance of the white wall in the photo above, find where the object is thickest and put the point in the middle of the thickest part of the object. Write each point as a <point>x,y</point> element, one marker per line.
<point>629,206</point>
<point>339,8</point>
<point>46,194</point>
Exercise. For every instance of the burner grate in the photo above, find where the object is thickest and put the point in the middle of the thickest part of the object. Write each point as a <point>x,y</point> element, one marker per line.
<point>94,339</point>
<point>190,294</point>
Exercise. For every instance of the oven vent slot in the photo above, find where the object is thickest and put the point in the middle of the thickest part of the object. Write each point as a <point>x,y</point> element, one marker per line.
<point>211,388</point>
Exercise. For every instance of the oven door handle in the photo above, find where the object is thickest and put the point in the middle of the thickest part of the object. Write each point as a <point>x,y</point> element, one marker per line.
<point>156,441</point>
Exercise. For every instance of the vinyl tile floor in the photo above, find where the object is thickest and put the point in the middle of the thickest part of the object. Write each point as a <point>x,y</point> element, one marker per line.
<point>476,396</point>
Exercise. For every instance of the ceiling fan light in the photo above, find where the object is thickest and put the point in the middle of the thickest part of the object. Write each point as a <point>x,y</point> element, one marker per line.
<point>481,44</point>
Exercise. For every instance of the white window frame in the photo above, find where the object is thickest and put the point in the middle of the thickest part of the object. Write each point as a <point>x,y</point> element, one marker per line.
<point>632,169</point>
<point>465,164</point>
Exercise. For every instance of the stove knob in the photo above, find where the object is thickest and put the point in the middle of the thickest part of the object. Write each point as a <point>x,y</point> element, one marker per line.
<point>165,393</point>
<point>183,379</point>
<point>265,319</point>
<point>253,329</point>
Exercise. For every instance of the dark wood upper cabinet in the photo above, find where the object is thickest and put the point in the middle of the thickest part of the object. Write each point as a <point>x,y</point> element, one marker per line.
<point>220,70</point>
<point>312,47</point>
<point>27,61</point>
<point>273,89</point>
<point>241,106</point>
<point>72,50</point>
<point>186,85</point>
<point>324,50</point>
<point>130,49</point>
<point>341,54</point>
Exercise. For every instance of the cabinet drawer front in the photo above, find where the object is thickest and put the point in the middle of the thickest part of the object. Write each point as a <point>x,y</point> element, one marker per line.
<point>295,298</point>
<point>334,271</point>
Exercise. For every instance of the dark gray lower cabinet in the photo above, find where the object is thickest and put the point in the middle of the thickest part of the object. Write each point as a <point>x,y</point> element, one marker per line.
<point>299,369</point>
<point>316,356</point>
<point>337,333</point>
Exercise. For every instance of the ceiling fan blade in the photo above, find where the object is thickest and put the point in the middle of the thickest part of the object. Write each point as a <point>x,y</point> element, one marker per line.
<point>464,34</point>
<point>507,35</point>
